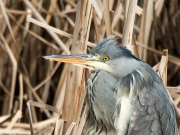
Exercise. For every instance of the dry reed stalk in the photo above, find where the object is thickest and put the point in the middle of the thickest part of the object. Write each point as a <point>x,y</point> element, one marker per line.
<point>16,117</point>
<point>129,23</point>
<point>54,36</point>
<point>60,92</point>
<point>136,52</point>
<point>59,127</point>
<point>74,75</point>
<point>42,106</point>
<point>14,63</point>
<point>46,91</point>
<point>34,34</point>
<point>44,25</point>
<point>14,131</point>
<point>54,30</point>
<point>21,92</point>
<point>147,25</point>
<point>3,118</point>
<point>38,125</point>
<point>117,14</point>
<point>107,19</point>
<point>47,79</point>
<point>173,89</point>
<point>15,29</point>
<point>26,80</point>
<point>162,71</point>
<point>82,118</point>
<point>142,27</point>
<point>96,26</point>
<point>7,20</point>
<point>4,89</point>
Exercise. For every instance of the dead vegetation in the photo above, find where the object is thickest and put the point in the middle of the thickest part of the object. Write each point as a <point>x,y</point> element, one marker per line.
<point>31,29</point>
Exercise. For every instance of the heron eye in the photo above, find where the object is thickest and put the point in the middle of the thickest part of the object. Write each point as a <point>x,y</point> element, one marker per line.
<point>105,58</point>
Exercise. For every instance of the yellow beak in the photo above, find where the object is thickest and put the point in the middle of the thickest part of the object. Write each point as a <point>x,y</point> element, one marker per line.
<point>81,59</point>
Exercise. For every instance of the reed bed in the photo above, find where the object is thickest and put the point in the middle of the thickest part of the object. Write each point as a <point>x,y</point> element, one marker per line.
<point>45,97</point>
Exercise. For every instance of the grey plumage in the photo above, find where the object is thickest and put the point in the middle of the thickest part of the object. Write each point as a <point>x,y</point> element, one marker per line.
<point>125,95</point>
<point>152,111</point>
<point>101,103</point>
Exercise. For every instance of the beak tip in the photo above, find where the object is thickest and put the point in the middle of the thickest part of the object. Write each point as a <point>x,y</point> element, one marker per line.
<point>47,57</point>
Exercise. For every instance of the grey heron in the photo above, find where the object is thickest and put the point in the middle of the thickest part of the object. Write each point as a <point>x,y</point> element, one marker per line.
<point>125,95</point>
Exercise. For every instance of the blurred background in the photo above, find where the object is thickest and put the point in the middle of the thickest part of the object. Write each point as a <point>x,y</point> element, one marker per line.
<point>25,75</point>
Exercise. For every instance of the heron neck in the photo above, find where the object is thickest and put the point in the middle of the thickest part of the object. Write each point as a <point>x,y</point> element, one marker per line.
<point>131,84</point>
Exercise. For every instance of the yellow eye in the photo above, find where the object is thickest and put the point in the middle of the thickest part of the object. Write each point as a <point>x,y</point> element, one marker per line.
<point>105,58</point>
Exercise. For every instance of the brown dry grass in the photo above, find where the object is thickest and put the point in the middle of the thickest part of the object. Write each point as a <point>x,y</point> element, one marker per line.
<point>30,30</point>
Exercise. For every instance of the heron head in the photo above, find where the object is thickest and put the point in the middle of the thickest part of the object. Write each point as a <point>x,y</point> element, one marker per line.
<point>108,55</point>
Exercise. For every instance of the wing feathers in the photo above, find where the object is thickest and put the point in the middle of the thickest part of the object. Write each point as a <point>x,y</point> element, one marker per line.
<point>152,115</point>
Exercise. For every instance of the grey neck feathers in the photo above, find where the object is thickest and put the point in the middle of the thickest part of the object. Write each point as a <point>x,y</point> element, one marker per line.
<point>132,84</point>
